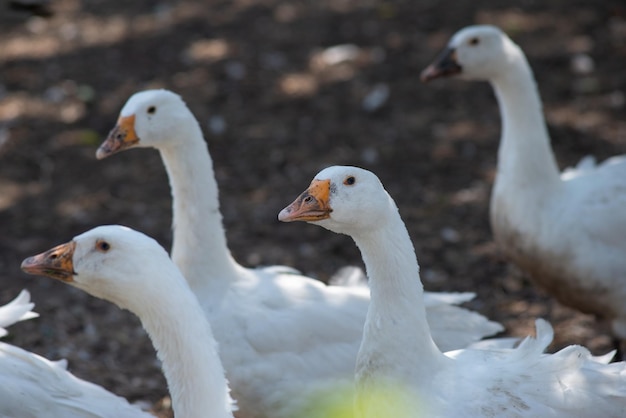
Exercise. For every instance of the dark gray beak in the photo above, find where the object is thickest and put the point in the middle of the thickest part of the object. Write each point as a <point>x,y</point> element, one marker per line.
<point>444,65</point>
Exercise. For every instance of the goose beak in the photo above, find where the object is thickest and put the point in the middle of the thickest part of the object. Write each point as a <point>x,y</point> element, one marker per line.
<point>445,65</point>
<point>121,137</point>
<point>312,205</point>
<point>56,263</point>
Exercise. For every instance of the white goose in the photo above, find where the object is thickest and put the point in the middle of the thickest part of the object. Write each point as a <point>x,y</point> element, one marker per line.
<point>19,309</point>
<point>133,271</point>
<point>565,230</point>
<point>34,387</point>
<point>287,334</point>
<point>400,371</point>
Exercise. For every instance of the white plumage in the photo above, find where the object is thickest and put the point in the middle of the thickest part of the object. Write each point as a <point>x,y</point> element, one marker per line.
<point>133,271</point>
<point>400,371</point>
<point>565,230</point>
<point>19,309</point>
<point>34,387</point>
<point>288,335</point>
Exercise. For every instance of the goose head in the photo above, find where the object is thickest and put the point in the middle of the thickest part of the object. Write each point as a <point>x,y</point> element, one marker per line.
<point>342,199</point>
<point>151,118</point>
<point>110,262</point>
<point>478,52</point>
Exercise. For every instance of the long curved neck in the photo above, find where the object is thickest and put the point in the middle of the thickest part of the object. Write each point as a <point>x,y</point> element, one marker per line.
<point>199,246</point>
<point>525,156</point>
<point>396,319</point>
<point>184,342</point>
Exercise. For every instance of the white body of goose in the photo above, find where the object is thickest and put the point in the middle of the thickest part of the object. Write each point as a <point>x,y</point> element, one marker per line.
<point>133,271</point>
<point>565,230</point>
<point>33,387</point>
<point>288,335</point>
<point>400,371</point>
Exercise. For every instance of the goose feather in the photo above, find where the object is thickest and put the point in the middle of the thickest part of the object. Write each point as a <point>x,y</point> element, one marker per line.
<point>32,386</point>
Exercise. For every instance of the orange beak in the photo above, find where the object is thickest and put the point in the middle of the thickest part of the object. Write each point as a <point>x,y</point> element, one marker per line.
<point>121,137</point>
<point>312,205</point>
<point>55,263</point>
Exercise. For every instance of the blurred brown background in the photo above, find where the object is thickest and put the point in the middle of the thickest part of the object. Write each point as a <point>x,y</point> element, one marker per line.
<point>277,103</point>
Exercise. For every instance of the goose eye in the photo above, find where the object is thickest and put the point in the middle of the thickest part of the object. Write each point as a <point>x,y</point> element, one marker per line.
<point>474,41</point>
<point>152,110</point>
<point>349,181</point>
<point>103,246</point>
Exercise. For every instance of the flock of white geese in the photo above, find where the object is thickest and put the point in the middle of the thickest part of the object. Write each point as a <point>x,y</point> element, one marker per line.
<point>270,342</point>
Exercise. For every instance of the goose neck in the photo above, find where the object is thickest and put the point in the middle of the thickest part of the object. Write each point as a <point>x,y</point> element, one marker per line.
<point>525,152</point>
<point>396,319</point>
<point>187,349</point>
<point>199,244</point>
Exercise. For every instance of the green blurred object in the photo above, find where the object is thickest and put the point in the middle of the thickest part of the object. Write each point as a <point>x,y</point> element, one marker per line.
<point>86,93</point>
<point>89,137</point>
<point>388,399</point>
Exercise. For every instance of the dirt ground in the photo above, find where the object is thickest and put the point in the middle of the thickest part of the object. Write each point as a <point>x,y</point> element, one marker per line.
<point>276,109</point>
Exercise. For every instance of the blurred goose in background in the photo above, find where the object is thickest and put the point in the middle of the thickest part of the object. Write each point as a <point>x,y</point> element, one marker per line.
<point>567,231</point>
<point>133,271</point>
<point>19,309</point>
<point>400,371</point>
<point>34,387</point>
<point>288,335</point>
